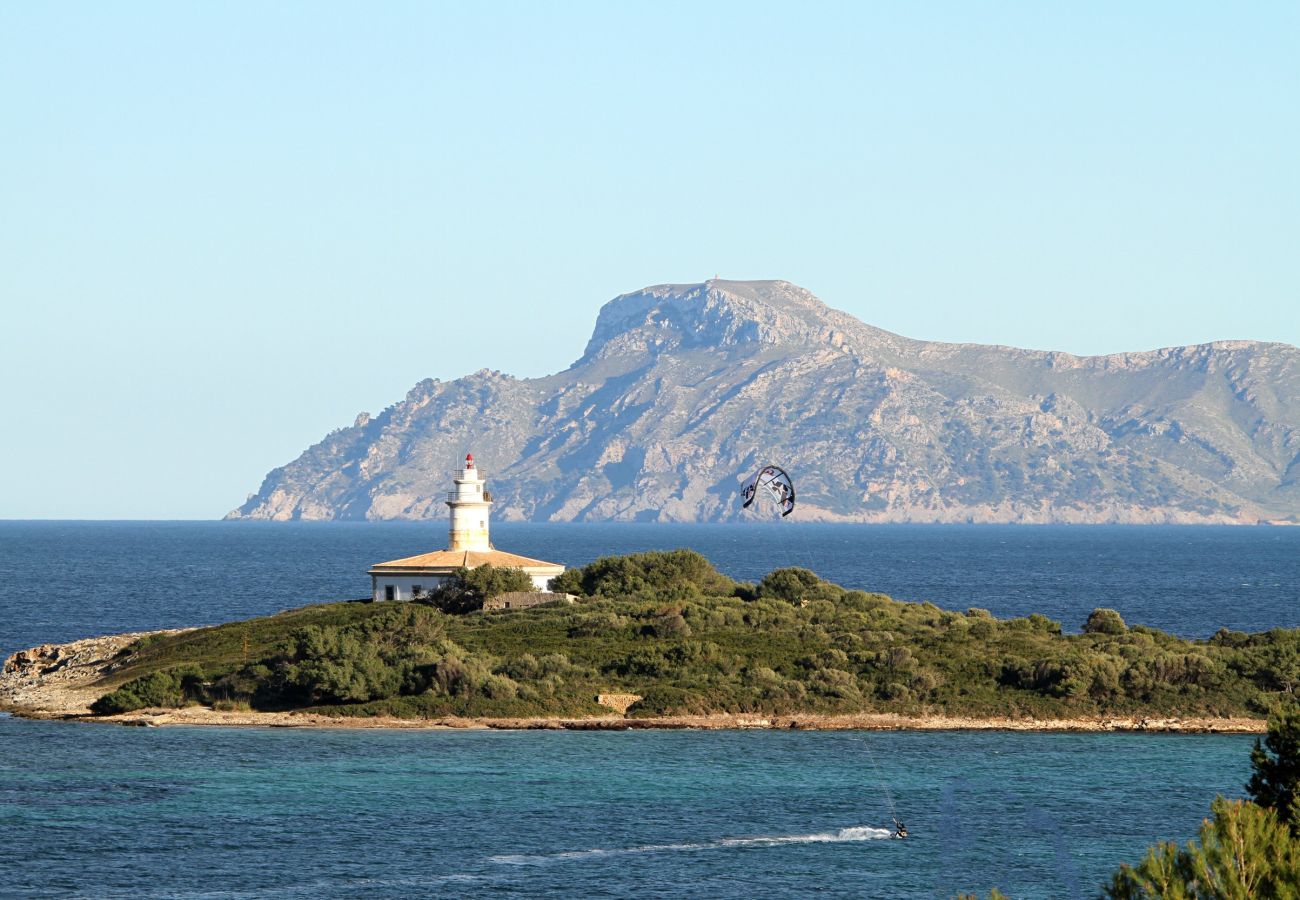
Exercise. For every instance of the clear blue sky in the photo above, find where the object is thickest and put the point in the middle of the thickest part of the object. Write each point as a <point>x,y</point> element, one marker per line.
<point>225,228</point>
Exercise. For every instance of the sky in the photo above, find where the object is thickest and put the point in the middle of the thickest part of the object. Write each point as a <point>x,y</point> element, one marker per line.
<point>225,229</point>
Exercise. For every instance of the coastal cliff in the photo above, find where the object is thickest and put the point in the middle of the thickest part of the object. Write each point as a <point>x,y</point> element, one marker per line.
<point>684,389</point>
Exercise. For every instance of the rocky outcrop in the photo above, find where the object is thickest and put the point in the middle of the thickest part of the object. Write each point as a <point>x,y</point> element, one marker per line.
<point>37,660</point>
<point>684,389</point>
<point>63,679</point>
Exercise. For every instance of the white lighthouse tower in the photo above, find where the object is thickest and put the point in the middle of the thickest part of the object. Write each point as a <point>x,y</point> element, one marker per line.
<point>468,546</point>
<point>471,507</point>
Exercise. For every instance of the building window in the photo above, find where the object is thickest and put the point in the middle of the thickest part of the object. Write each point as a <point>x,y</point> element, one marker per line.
<point>416,591</point>
<point>390,592</point>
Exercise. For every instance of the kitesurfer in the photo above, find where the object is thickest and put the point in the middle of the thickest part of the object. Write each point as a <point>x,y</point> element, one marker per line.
<point>900,830</point>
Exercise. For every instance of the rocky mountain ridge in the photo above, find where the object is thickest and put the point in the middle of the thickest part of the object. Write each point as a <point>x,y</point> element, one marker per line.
<point>684,389</point>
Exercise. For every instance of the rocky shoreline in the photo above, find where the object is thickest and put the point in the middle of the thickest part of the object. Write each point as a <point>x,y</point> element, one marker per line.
<point>204,716</point>
<point>60,681</point>
<point>63,679</point>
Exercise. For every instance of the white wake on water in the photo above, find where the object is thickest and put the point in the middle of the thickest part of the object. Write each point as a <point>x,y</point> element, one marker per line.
<point>856,833</point>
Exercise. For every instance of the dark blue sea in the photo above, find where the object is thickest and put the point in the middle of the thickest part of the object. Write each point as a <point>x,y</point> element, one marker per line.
<point>101,811</point>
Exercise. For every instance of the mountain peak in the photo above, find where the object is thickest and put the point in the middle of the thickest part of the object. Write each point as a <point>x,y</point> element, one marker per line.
<point>716,314</point>
<point>684,386</point>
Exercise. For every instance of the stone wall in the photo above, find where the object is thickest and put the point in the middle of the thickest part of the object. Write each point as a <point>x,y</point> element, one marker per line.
<point>525,599</point>
<point>617,702</point>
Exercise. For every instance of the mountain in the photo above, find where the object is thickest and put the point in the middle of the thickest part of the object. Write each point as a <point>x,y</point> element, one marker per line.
<point>683,390</point>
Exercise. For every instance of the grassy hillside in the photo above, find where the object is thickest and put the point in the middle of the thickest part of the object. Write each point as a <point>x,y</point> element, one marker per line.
<point>667,626</point>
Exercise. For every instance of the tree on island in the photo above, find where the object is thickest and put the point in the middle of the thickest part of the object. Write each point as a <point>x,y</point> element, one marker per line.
<point>468,589</point>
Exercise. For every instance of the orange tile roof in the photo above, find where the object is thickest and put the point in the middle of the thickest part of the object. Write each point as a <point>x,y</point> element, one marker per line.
<point>454,559</point>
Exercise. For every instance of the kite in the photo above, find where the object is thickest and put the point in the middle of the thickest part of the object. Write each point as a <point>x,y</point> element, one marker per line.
<point>772,482</point>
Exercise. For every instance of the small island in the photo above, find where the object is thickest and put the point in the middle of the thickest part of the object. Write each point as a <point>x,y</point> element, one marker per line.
<point>662,639</point>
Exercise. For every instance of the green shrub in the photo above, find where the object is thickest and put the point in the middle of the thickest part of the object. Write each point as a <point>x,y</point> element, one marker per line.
<point>791,585</point>
<point>668,625</point>
<point>894,691</point>
<point>341,666</point>
<point>157,689</point>
<point>658,574</point>
<point>1226,638</point>
<point>834,683</point>
<point>499,687</point>
<point>1104,621</point>
<point>1040,622</point>
<point>599,624</point>
<point>521,668</point>
<point>665,700</point>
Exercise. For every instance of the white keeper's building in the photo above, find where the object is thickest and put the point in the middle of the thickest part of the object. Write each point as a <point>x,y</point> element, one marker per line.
<point>469,546</point>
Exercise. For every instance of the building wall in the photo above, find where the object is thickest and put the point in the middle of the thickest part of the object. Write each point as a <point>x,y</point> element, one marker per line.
<point>468,529</point>
<point>541,581</point>
<point>471,510</point>
<point>404,585</point>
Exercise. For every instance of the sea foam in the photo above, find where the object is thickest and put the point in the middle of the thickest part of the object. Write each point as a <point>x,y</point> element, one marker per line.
<point>855,833</point>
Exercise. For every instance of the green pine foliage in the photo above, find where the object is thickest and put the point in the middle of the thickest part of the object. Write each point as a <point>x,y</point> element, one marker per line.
<point>669,627</point>
<point>1275,779</point>
<point>1244,851</point>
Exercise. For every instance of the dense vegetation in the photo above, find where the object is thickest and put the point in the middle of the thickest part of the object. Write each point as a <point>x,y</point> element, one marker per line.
<point>669,627</point>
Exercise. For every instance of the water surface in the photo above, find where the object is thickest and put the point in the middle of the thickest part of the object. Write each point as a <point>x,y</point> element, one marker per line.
<point>100,811</point>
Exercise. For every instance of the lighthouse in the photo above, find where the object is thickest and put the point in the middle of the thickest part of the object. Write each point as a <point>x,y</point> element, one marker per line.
<point>471,507</point>
<point>468,546</point>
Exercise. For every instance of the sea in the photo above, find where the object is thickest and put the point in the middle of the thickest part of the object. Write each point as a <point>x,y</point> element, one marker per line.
<point>102,811</point>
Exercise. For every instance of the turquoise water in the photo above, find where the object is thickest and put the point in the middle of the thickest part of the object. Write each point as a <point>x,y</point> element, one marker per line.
<point>100,811</point>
